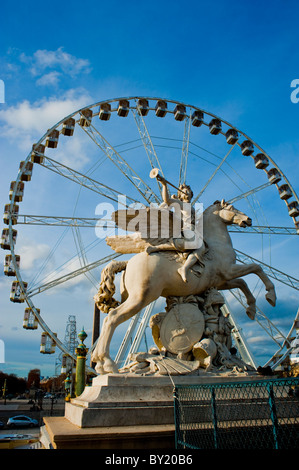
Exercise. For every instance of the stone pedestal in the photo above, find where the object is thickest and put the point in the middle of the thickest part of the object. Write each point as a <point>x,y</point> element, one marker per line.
<point>125,411</point>
<point>117,400</point>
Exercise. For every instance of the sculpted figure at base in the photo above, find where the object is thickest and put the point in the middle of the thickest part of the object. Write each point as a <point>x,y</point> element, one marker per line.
<point>192,335</point>
<point>151,274</point>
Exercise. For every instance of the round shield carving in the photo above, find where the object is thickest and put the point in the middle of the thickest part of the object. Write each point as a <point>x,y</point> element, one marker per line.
<point>182,327</point>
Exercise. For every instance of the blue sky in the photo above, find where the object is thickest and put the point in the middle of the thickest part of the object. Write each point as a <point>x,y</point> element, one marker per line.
<point>234,59</point>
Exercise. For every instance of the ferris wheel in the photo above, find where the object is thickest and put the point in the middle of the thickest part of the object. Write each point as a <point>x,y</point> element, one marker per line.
<point>100,156</point>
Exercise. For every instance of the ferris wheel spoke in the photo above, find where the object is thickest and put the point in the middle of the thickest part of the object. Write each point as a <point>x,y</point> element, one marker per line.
<point>71,275</point>
<point>214,174</point>
<point>81,250</point>
<point>249,193</point>
<point>147,143</point>
<point>269,270</point>
<point>145,191</point>
<point>83,180</point>
<point>185,150</point>
<point>264,230</point>
<point>276,335</point>
<point>56,221</point>
<point>289,344</point>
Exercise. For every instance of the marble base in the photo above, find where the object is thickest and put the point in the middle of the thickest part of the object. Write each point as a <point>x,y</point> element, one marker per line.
<point>132,400</point>
<point>59,433</point>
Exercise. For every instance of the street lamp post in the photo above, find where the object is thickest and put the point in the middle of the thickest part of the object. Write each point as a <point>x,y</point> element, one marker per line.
<point>67,386</point>
<point>81,351</point>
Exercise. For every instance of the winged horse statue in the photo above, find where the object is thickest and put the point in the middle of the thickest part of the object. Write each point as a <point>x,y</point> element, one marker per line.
<point>156,270</point>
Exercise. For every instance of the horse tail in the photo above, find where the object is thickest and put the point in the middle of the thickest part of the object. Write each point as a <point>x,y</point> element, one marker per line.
<point>104,298</point>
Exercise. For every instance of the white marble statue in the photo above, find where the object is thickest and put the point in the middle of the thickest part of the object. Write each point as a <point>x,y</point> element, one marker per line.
<point>153,272</point>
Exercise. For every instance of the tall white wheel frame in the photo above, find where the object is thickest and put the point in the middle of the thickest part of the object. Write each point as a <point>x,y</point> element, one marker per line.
<point>173,136</point>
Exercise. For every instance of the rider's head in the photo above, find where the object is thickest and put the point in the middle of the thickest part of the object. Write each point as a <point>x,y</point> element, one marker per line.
<point>187,193</point>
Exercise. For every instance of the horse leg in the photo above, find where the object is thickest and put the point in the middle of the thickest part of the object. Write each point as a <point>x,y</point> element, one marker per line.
<point>114,318</point>
<point>123,290</point>
<point>241,284</point>
<point>238,270</point>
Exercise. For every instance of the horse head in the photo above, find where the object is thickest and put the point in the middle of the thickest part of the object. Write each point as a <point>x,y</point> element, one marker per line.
<point>230,215</point>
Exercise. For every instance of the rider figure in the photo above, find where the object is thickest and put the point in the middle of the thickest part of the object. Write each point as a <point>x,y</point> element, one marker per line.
<point>190,240</point>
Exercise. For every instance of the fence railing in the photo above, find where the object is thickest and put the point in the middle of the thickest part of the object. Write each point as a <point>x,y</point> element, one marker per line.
<point>261,414</point>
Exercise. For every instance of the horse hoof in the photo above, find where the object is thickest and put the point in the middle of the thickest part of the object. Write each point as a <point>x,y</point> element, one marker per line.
<point>251,311</point>
<point>271,298</point>
<point>99,368</point>
<point>108,366</point>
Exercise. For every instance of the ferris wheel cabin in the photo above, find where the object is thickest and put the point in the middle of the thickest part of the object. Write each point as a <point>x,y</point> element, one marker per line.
<point>197,118</point>
<point>215,126</point>
<point>274,176</point>
<point>5,244</point>
<point>247,148</point>
<point>52,139</point>
<point>26,170</point>
<point>86,117</point>
<point>68,127</point>
<point>30,321</point>
<point>105,112</point>
<point>9,269</point>
<point>143,107</point>
<point>179,112</point>
<point>293,209</point>
<point>17,294</point>
<point>17,189</point>
<point>232,136</point>
<point>11,214</point>
<point>285,192</point>
<point>37,154</point>
<point>123,108</point>
<point>161,108</point>
<point>47,344</point>
<point>261,161</point>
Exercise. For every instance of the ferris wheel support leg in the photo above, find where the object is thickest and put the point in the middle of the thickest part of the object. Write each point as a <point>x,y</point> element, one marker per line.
<point>238,270</point>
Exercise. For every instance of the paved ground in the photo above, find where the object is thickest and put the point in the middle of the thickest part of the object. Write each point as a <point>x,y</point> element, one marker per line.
<point>21,407</point>
<point>32,431</point>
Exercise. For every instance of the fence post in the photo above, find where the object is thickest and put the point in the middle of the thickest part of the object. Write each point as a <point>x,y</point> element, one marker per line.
<point>273,414</point>
<point>176,417</point>
<point>214,417</point>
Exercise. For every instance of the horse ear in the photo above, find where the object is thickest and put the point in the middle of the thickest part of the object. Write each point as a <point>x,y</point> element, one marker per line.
<point>222,202</point>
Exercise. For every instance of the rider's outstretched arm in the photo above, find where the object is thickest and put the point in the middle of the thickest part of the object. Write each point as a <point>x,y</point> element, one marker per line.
<point>165,194</point>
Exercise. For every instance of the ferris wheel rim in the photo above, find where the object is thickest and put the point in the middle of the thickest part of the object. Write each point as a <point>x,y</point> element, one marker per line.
<point>98,104</point>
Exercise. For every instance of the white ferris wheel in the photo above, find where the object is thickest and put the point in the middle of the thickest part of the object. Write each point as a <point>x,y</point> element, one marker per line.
<point>73,178</point>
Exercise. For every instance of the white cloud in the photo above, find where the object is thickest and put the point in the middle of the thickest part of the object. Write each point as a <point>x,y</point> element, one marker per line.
<point>51,78</point>
<point>67,269</point>
<point>43,114</point>
<point>74,153</point>
<point>30,253</point>
<point>26,122</point>
<point>60,60</point>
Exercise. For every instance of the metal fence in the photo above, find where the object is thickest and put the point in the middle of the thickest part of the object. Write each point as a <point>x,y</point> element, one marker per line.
<point>241,415</point>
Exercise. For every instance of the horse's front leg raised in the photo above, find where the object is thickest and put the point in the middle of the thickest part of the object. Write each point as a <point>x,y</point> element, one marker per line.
<point>240,270</point>
<point>115,317</point>
<point>241,284</point>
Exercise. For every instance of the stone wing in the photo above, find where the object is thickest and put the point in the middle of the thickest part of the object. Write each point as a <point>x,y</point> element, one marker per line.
<point>150,222</point>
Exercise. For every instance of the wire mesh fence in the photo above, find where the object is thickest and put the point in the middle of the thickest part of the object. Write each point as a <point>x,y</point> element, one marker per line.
<point>241,415</point>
